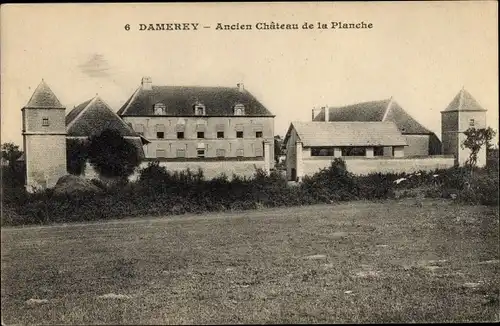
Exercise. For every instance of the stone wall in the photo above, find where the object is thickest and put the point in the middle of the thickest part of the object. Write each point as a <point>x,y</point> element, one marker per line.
<point>418,145</point>
<point>363,166</point>
<point>211,169</point>
<point>45,157</point>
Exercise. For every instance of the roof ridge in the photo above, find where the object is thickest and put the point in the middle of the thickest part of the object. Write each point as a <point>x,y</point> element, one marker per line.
<point>132,98</point>
<point>389,105</point>
<point>72,122</point>
<point>461,99</point>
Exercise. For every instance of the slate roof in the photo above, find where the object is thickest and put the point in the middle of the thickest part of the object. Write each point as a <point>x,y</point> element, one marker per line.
<point>463,101</point>
<point>94,116</point>
<point>179,100</point>
<point>43,97</point>
<point>357,133</point>
<point>373,111</point>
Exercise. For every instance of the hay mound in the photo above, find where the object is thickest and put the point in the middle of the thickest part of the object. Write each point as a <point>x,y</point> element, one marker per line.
<point>70,184</point>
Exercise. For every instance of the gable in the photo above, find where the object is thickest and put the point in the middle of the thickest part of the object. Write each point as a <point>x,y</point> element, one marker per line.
<point>93,117</point>
<point>405,123</point>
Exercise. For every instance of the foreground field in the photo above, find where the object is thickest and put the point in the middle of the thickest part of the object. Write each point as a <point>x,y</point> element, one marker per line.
<point>394,261</point>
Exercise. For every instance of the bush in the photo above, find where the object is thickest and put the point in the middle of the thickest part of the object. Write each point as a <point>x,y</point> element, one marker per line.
<point>160,192</point>
<point>331,184</point>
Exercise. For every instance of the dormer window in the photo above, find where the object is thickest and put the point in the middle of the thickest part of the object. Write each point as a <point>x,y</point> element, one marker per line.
<point>160,109</point>
<point>239,109</point>
<point>199,109</point>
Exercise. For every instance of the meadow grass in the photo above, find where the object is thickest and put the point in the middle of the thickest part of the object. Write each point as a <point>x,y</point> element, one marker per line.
<point>400,261</point>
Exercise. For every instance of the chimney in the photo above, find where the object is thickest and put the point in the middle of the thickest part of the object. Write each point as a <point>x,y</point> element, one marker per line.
<point>327,115</point>
<point>241,87</point>
<point>147,83</point>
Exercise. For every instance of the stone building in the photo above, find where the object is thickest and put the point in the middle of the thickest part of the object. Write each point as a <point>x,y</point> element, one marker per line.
<point>420,140</point>
<point>44,139</point>
<point>366,147</point>
<point>196,124</point>
<point>462,113</point>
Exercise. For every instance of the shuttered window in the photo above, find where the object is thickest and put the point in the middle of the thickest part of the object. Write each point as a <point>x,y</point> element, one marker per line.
<point>181,152</point>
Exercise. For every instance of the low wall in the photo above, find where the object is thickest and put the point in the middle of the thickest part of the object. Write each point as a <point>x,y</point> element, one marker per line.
<point>363,166</point>
<point>211,169</point>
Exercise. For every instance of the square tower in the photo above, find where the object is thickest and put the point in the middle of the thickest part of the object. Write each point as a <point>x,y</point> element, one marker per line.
<point>44,139</point>
<point>462,113</point>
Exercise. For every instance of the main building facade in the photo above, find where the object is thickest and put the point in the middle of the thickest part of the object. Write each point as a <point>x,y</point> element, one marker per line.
<point>189,123</point>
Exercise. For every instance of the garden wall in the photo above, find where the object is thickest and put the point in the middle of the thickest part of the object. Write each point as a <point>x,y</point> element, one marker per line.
<point>364,166</point>
<point>211,169</point>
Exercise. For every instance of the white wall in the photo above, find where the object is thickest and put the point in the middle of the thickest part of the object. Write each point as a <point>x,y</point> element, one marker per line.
<point>363,166</point>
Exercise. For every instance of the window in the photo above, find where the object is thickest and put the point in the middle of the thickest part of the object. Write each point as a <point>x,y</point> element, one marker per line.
<point>239,109</point>
<point>160,131</point>
<point>322,151</point>
<point>239,152</point>
<point>180,135</point>
<point>45,122</point>
<point>378,151</point>
<point>220,134</point>
<point>199,109</point>
<point>201,134</point>
<point>181,153</point>
<point>160,109</point>
<point>471,122</point>
<point>160,153</point>
<point>220,152</point>
<point>258,134</point>
<point>239,134</point>
<point>200,153</point>
<point>353,151</point>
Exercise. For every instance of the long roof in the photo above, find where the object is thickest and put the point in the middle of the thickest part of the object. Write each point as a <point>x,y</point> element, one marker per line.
<point>463,101</point>
<point>179,101</point>
<point>44,98</point>
<point>357,133</point>
<point>94,116</point>
<point>373,111</point>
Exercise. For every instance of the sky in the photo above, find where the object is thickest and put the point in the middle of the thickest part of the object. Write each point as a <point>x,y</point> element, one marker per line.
<point>420,53</point>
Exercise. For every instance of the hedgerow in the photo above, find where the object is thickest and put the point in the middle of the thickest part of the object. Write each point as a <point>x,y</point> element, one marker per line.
<point>159,192</point>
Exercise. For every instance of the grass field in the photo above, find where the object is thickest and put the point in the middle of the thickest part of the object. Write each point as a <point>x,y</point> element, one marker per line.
<point>392,261</point>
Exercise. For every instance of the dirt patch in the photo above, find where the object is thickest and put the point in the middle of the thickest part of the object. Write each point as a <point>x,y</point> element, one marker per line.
<point>315,257</point>
<point>368,274</point>
<point>32,301</point>
<point>113,296</point>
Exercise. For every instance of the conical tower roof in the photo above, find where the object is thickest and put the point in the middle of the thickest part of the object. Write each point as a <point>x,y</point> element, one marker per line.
<point>44,98</point>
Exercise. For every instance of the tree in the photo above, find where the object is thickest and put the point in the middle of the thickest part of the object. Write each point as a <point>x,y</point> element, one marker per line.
<point>11,153</point>
<point>111,155</point>
<point>76,156</point>
<point>475,140</point>
<point>13,174</point>
<point>278,151</point>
